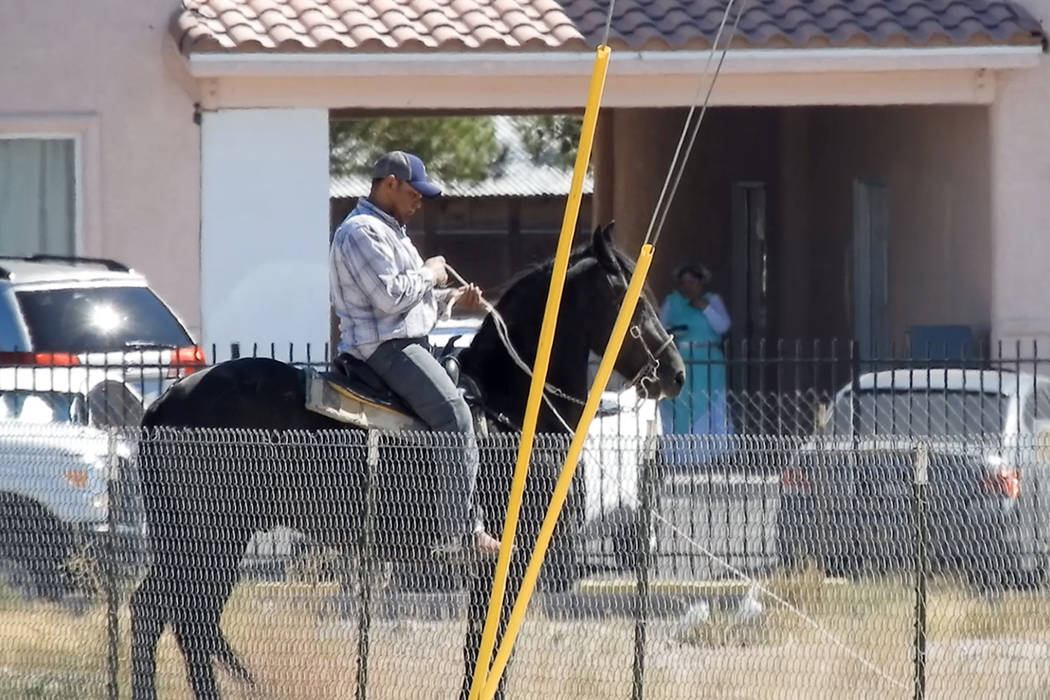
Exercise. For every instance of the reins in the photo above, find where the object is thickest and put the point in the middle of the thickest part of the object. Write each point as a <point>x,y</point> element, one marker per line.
<point>646,374</point>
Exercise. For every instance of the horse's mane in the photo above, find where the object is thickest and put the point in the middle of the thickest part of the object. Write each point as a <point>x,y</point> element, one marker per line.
<point>540,273</point>
<point>528,288</point>
<point>537,274</point>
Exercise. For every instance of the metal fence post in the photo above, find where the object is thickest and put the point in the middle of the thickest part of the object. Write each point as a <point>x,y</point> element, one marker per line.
<point>109,570</point>
<point>921,484</point>
<point>366,557</point>
<point>642,560</point>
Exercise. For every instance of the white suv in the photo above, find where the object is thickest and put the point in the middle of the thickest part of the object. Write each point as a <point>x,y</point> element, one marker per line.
<point>69,311</point>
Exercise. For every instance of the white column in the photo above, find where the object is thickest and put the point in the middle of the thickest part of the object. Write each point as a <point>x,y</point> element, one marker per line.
<point>264,230</point>
<point>1021,204</point>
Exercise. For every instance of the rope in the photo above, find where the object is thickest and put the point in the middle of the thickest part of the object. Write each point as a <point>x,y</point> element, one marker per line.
<point>589,455</point>
<point>608,23</point>
<point>504,336</point>
<point>662,207</point>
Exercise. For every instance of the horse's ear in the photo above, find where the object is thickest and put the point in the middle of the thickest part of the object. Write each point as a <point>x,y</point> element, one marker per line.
<point>602,244</point>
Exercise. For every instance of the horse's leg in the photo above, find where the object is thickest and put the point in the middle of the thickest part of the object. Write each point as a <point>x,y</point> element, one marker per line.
<point>197,627</point>
<point>228,658</point>
<point>477,611</point>
<point>514,578</point>
<point>148,616</point>
<point>479,591</point>
<point>192,636</point>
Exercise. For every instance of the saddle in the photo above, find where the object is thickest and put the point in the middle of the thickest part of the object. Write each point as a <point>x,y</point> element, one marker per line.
<point>354,393</point>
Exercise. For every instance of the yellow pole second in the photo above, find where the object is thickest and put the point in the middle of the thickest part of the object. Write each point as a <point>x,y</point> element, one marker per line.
<point>561,489</point>
<point>539,370</point>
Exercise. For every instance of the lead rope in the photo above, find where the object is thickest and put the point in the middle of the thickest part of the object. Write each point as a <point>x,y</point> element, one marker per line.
<point>647,373</point>
<point>504,336</point>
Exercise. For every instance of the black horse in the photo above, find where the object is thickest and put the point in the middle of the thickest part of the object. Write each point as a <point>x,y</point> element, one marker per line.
<point>204,498</point>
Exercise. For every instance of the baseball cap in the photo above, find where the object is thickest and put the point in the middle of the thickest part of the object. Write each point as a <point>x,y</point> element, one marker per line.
<point>408,168</point>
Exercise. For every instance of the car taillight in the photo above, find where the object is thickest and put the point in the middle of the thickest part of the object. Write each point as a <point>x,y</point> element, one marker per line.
<point>186,361</point>
<point>1005,482</point>
<point>794,478</point>
<point>45,359</point>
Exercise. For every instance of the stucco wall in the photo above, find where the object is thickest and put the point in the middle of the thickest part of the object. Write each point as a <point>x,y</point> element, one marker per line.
<point>108,71</point>
<point>1020,156</point>
<point>934,161</point>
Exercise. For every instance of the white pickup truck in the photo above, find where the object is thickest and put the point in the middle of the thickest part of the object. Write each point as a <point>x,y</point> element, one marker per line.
<point>69,497</point>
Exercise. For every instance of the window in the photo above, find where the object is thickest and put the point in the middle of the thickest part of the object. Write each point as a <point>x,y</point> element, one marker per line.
<point>99,319</point>
<point>37,195</point>
<point>1036,407</point>
<point>920,413</point>
<point>36,407</point>
<point>11,337</point>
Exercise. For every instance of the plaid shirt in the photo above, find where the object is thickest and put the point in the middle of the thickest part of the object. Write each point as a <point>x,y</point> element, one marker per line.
<point>378,285</point>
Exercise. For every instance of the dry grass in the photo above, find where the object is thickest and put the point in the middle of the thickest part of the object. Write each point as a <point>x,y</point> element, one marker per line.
<point>299,647</point>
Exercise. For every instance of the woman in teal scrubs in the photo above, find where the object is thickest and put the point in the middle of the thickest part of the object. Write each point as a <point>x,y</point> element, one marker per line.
<point>698,319</point>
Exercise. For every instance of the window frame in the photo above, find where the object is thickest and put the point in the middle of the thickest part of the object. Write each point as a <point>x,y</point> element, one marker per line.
<point>1039,398</point>
<point>84,130</point>
<point>78,197</point>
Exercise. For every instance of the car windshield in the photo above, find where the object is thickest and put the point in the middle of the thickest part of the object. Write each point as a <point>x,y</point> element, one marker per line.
<point>99,319</point>
<point>919,413</point>
<point>42,407</point>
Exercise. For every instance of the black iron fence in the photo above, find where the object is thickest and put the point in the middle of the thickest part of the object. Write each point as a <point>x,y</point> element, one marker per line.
<point>761,388</point>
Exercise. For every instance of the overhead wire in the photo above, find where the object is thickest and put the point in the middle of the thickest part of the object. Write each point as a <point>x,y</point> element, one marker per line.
<point>678,162</point>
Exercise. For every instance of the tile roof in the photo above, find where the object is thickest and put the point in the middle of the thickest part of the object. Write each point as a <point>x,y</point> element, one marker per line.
<point>796,23</point>
<point>373,25</point>
<point>514,176</point>
<point>426,25</point>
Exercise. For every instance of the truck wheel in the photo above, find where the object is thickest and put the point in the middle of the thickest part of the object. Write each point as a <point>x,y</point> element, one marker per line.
<point>16,578</point>
<point>35,549</point>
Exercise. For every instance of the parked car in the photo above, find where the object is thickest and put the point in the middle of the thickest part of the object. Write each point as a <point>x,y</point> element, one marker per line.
<point>847,495</point>
<point>69,311</point>
<point>69,490</point>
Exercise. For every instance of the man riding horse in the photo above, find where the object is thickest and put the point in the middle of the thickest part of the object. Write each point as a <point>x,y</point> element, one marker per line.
<point>234,449</point>
<point>388,300</point>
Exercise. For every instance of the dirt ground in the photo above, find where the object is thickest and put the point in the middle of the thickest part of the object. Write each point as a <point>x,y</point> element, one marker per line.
<point>301,643</point>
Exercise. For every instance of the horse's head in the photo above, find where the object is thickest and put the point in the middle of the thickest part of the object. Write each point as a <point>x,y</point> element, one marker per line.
<point>648,358</point>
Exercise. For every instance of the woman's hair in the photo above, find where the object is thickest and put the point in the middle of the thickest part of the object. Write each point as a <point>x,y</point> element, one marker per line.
<point>696,270</point>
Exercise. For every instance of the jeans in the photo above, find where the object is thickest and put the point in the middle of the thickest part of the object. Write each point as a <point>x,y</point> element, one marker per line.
<point>408,368</point>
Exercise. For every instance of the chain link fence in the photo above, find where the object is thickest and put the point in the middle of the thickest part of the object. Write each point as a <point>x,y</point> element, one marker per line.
<point>850,528</point>
<point>830,565</point>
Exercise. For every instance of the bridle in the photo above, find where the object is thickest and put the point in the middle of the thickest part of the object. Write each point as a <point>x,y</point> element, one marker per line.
<point>646,375</point>
<point>649,373</point>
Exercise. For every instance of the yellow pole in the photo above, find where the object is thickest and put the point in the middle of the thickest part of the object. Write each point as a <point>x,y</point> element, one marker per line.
<point>539,370</point>
<point>561,489</point>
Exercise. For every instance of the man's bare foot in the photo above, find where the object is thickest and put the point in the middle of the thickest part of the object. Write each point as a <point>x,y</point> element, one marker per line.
<point>486,544</point>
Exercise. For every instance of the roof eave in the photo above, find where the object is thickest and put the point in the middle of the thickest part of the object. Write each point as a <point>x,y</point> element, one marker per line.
<point>204,64</point>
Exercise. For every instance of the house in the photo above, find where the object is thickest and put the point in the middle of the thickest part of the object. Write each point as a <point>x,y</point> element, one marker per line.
<point>865,167</point>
